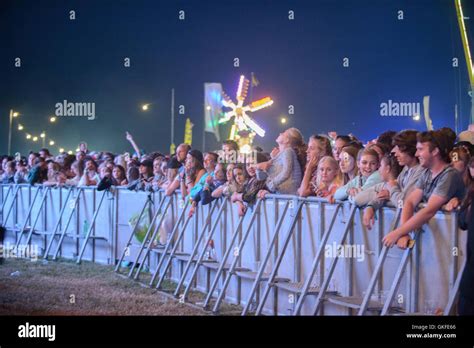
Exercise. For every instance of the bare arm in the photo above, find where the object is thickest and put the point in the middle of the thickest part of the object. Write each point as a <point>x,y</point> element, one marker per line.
<point>414,222</point>
<point>412,201</point>
<point>217,193</point>
<point>173,186</point>
<point>134,145</point>
<point>305,187</point>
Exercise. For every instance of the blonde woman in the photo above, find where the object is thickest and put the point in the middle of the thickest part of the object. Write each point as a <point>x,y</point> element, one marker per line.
<point>329,178</point>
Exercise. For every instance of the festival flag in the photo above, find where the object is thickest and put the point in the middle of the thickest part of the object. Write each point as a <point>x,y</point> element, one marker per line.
<point>212,107</point>
<point>188,132</point>
<point>255,82</point>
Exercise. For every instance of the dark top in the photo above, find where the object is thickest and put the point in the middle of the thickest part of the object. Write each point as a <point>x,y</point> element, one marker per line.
<point>466,221</point>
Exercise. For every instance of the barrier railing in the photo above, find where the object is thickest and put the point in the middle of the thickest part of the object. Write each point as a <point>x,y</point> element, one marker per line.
<point>286,256</point>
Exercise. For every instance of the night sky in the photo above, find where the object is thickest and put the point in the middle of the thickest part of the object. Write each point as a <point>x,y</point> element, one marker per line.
<point>297,63</point>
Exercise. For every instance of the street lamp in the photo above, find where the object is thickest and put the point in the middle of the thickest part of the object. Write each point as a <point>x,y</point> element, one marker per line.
<point>35,138</point>
<point>145,107</point>
<point>51,142</point>
<point>28,136</point>
<point>52,119</point>
<point>283,120</point>
<point>20,127</point>
<point>12,115</point>
<point>43,137</point>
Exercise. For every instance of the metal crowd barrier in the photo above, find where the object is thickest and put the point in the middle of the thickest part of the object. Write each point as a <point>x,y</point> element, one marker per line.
<point>286,256</point>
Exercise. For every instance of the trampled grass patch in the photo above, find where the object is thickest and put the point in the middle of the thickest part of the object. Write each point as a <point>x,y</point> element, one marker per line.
<point>65,288</point>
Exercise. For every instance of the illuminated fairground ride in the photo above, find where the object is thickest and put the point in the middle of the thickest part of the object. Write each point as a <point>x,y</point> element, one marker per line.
<point>244,128</point>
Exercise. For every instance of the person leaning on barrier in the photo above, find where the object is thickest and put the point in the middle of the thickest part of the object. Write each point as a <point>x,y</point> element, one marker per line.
<point>348,163</point>
<point>39,172</point>
<point>318,147</point>
<point>158,174</point>
<point>21,172</point>
<point>32,156</point>
<point>193,172</point>
<point>229,187</point>
<point>90,176</point>
<point>368,163</point>
<point>145,179</point>
<point>107,180</point>
<point>55,176</point>
<point>251,187</point>
<point>181,153</point>
<point>77,169</point>
<point>209,163</point>
<point>438,184</point>
<point>4,161</point>
<point>241,179</point>
<point>171,168</point>
<point>466,222</point>
<point>375,196</point>
<point>8,176</point>
<point>212,183</point>
<point>404,149</point>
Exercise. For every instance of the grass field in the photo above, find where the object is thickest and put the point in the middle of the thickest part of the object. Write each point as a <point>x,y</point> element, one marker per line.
<point>65,288</point>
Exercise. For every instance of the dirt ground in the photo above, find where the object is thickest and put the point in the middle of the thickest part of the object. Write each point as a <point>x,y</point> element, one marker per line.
<point>65,288</point>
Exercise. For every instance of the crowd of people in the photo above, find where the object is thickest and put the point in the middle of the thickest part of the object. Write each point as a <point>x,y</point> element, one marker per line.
<point>402,169</point>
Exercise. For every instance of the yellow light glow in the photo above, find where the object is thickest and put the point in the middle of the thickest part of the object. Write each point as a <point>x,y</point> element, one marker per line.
<point>61,149</point>
<point>28,136</point>
<point>416,117</point>
<point>52,119</point>
<point>145,107</point>
<point>42,135</point>
<point>467,51</point>
<point>77,149</point>
<point>283,120</point>
<point>15,114</point>
<point>260,104</point>
<point>69,152</point>
<point>51,142</point>
<point>20,127</point>
<point>35,138</point>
